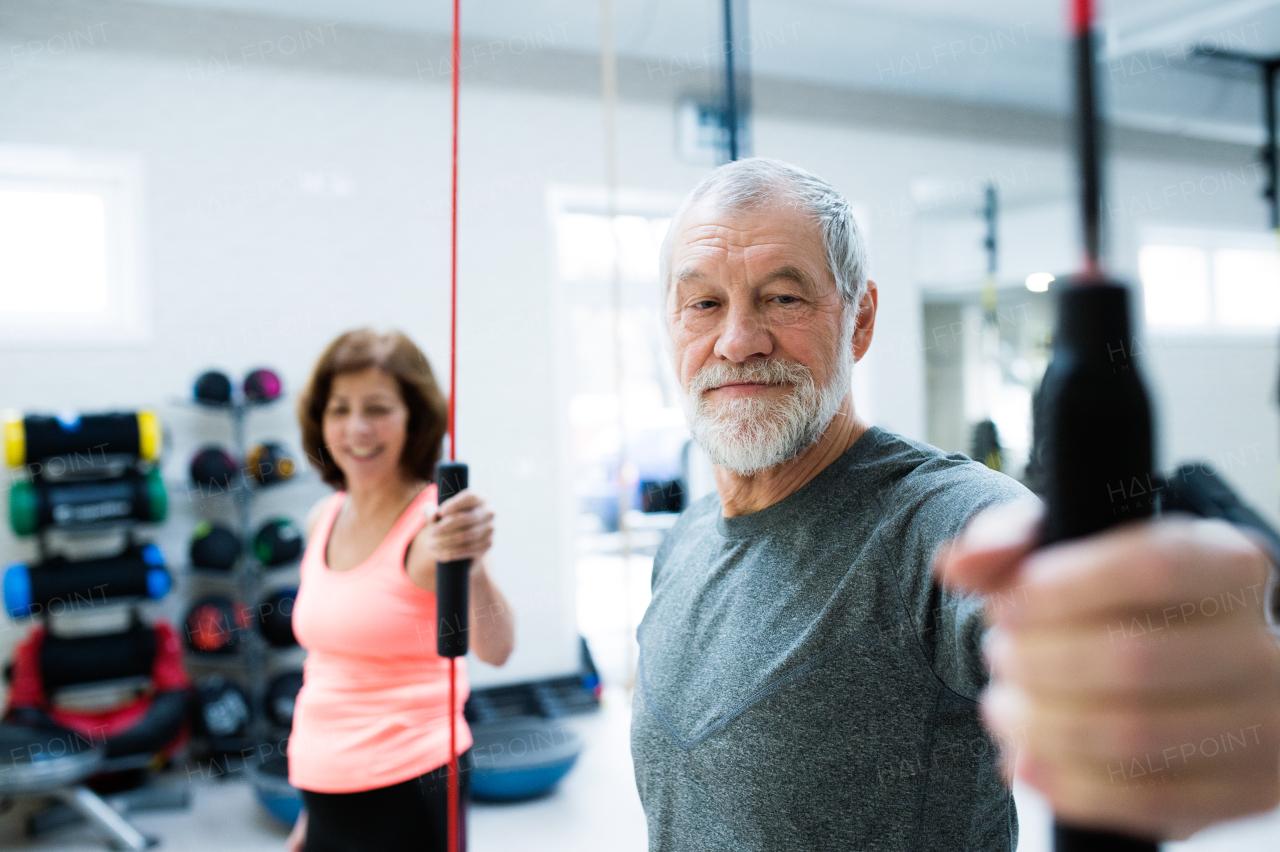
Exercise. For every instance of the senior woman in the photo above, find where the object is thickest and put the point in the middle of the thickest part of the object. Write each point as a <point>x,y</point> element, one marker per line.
<point>370,741</point>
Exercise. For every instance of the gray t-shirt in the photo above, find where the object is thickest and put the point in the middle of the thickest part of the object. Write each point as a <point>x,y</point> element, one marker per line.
<point>805,684</point>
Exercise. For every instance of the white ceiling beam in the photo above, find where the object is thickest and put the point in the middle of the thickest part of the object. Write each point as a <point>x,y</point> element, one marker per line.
<point>1189,28</point>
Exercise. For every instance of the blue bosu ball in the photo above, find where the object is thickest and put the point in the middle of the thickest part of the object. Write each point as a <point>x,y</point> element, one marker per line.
<point>276,795</point>
<point>521,757</point>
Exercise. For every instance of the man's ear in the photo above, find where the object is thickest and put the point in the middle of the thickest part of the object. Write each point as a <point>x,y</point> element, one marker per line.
<point>866,325</point>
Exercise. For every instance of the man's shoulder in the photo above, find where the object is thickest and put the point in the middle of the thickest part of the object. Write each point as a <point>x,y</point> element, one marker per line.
<point>698,514</point>
<point>906,472</point>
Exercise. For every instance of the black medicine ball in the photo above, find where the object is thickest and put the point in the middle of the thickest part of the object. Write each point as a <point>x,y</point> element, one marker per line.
<point>213,466</point>
<point>269,463</point>
<point>278,542</point>
<point>282,695</point>
<point>214,624</point>
<point>262,385</point>
<point>221,709</point>
<point>214,547</point>
<point>275,617</point>
<point>212,388</point>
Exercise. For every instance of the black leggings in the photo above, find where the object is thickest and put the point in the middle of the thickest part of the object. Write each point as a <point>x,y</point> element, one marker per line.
<point>407,817</point>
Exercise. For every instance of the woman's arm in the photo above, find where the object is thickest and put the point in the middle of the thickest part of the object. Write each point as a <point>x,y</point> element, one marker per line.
<point>297,841</point>
<point>493,624</point>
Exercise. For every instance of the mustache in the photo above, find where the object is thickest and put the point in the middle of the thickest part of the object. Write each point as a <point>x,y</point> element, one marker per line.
<point>769,372</point>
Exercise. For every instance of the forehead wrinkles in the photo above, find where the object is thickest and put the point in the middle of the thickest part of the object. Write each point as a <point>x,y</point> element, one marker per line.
<point>750,252</point>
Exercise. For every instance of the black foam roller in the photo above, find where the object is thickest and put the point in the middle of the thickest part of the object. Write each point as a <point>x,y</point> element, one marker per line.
<point>88,659</point>
<point>82,438</point>
<point>59,584</point>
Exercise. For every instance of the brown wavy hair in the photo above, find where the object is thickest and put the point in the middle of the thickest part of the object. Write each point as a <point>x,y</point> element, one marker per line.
<point>397,356</point>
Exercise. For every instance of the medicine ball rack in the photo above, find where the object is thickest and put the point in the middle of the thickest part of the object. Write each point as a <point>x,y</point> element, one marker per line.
<point>248,577</point>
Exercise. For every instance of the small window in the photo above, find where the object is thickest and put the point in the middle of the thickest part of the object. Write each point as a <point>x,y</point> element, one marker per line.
<point>53,253</point>
<point>1210,281</point>
<point>586,246</point>
<point>1175,284</point>
<point>68,259</point>
<point>1246,287</point>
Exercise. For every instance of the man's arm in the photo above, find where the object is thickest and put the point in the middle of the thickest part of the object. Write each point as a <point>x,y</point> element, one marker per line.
<point>1134,669</point>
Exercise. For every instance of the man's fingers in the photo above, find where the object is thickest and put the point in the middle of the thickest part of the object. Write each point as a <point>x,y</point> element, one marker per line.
<point>1149,742</point>
<point>1139,657</point>
<point>1146,806</point>
<point>1142,567</point>
<point>986,555</point>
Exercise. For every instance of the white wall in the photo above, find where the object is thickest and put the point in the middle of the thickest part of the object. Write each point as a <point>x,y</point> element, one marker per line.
<point>245,268</point>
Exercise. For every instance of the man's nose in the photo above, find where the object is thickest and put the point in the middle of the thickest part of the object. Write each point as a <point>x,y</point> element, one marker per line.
<point>744,335</point>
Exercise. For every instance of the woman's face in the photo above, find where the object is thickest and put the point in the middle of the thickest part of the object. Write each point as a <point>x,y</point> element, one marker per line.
<point>365,426</point>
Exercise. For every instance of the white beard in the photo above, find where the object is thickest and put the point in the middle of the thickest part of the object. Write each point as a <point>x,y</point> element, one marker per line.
<point>747,435</point>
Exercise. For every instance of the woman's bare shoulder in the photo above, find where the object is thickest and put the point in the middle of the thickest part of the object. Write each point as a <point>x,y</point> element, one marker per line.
<point>313,516</point>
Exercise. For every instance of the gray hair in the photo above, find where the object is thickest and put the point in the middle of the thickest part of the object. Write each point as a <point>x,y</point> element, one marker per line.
<point>756,181</point>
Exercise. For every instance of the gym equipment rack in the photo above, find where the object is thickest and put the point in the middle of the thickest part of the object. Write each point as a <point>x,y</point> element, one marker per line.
<point>63,779</point>
<point>247,577</point>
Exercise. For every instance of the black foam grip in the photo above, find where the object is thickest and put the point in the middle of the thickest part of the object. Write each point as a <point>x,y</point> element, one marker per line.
<point>1097,452</point>
<point>452,578</point>
<point>1068,838</point>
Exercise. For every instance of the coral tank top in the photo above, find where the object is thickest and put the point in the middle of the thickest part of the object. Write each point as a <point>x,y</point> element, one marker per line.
<point>373,710</point>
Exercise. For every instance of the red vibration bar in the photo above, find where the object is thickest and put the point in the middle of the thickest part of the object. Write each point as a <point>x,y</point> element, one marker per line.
<point>453,758</point>
<point>453,239</point>
<point>1081,16</point>
<point>453,394</point>
<point>1089,141</point>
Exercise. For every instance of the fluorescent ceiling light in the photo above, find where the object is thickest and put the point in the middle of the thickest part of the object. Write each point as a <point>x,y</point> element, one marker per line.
<point>1038,282</point>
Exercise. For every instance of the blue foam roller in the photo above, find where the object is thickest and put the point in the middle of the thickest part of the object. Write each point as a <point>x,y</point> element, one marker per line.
<point>17,590</point>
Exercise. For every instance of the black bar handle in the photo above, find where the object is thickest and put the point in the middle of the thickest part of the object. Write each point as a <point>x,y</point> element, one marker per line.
<point>452,578</point>
<point>1097,451</point>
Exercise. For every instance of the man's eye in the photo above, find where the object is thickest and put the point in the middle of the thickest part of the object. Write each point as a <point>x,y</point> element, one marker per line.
<point>788,300</point>
<point>704,304</point>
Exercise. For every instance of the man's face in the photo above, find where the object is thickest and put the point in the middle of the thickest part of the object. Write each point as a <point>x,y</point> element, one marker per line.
<point>756,329</point>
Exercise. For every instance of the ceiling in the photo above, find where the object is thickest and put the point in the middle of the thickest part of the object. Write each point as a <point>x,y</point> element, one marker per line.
<point>1008,52</point>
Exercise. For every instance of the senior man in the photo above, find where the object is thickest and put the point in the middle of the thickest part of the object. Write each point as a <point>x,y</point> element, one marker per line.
<point>805,682</point>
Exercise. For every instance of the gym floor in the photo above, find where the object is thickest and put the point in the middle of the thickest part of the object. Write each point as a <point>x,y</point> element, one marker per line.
<point>595,802</point>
